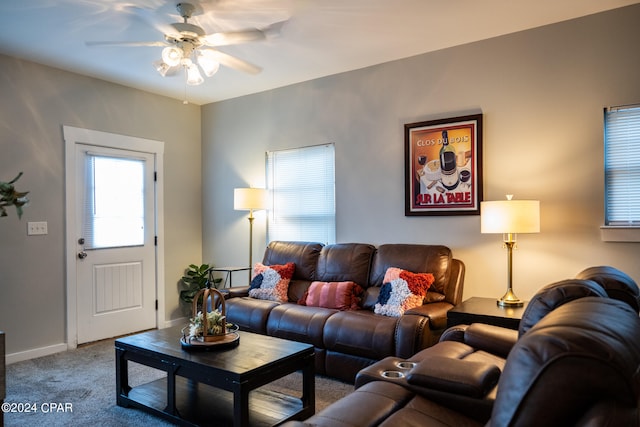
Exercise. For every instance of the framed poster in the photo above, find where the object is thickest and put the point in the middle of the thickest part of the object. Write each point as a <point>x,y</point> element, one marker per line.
<point>443,166</point>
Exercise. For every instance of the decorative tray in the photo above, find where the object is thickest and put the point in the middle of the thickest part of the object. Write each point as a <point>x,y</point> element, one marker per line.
<point>228,340</point>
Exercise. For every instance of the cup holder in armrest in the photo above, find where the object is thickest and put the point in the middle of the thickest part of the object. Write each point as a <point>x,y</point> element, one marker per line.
<point>405,365</point>
<point>392,374</point>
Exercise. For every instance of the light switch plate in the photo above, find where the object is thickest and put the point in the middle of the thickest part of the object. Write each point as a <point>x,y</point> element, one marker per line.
<point>37,228</point>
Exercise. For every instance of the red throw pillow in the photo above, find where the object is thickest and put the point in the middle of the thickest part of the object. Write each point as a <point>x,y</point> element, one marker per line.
<point>271,282</point>
<point>402,290</point>
<point>338,295</point>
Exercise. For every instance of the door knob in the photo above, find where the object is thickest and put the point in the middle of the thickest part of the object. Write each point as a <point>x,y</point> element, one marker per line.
<point>82,255</point>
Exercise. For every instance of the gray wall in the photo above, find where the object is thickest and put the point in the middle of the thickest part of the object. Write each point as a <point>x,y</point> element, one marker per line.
<point>36,102</point>
<point>541,92</point>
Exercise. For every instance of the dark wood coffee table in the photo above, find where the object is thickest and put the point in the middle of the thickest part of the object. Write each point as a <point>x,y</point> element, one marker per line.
<point>216,387</point>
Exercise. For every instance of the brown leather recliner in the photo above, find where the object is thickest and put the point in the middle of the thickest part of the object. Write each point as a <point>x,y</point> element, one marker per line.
<point>616,283</point>
<point>487,344</point>
<point>578,366</point>
<point>474,348</point>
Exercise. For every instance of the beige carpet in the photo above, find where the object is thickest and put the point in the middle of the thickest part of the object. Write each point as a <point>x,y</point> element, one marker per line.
<point>81,386</point>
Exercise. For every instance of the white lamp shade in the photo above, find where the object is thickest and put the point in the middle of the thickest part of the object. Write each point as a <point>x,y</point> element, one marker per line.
<point>510,216</point>
<point>245,199</point>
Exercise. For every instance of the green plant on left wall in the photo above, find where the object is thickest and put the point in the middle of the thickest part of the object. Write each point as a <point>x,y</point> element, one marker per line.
<point>10,197</point>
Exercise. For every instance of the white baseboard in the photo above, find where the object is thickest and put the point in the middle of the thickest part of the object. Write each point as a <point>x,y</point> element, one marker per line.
<point>57,348</point>
<point>175,322</point>
<point>36,352</point>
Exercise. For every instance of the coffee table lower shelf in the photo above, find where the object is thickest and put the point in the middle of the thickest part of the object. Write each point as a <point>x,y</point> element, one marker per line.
<point>203,405</point>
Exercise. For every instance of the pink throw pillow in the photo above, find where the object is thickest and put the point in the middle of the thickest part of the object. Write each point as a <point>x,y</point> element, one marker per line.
<point>337,295</point>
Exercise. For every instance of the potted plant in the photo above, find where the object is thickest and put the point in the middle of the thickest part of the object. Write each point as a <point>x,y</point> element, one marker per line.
<point>196,278</point>
<point>10,197</point>
<point>216,324</point>
<point>209,327</point>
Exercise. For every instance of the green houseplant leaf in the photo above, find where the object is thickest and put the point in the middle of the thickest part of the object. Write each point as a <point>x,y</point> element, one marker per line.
<point>10,197</point>
<point>194,280</point>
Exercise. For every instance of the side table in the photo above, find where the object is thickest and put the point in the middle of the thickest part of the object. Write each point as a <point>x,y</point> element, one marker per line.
<point>485,310</point>
<point>229,275</point>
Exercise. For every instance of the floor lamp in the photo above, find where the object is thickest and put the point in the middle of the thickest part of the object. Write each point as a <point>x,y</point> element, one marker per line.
<point>250,199</point>
<point>510,217</point>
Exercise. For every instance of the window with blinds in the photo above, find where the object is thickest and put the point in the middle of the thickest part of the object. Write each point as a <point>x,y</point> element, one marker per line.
<point>302,190</point>
<point>622,166</point>
<point>114,202</point>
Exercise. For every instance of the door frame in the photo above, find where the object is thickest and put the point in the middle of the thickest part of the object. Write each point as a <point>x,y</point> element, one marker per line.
<point>73,135</point>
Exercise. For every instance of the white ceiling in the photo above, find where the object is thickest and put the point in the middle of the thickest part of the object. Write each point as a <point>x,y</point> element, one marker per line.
<point>320,37</point>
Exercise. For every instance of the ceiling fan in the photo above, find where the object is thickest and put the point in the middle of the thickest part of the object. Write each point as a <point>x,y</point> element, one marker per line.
<point>187,45</point>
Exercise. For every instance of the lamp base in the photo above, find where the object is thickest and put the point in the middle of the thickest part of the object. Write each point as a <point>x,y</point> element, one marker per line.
<point>510,300</point>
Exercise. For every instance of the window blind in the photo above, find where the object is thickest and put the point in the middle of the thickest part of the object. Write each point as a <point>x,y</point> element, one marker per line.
<point>113,214</point>
<point>622,166</point>
<point>302,190</point>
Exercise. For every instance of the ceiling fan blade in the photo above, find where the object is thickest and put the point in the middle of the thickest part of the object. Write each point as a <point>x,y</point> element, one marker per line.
<point>150,18</point>
<point>235,63</point>
<point>236,37</point>
<point>274,29</point>
<point>128,44</point>
<point>233,37</point>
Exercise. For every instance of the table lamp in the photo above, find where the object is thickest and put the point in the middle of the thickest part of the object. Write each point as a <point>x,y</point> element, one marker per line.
<point>250,199</point>
<point>510,217</point>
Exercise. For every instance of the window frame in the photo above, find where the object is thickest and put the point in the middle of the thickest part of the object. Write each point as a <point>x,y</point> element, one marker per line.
<point>615,230</point>
<point>326,193</point>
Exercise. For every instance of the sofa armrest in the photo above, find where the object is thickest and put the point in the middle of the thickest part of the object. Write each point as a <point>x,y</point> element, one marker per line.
<point>493,339</point>
<point>420,328</point>
<point>435,311</point>
<point>454,333</point>
<point>462,377</point>
<point>238,291</point>
<point>453,291</point>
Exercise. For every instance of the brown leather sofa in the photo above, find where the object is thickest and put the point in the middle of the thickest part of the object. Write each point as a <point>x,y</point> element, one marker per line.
<point>347,341</point>
<point>577,366</point>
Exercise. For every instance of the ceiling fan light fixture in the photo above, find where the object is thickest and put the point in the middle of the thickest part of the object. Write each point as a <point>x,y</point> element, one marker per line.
<point>194,77</point>
<point>161,67</point>
<point>188,47</point>
<point>208,63</point>
<point>171,55</point>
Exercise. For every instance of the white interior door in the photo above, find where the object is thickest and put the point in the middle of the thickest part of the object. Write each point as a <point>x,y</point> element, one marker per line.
<point>113,241</point>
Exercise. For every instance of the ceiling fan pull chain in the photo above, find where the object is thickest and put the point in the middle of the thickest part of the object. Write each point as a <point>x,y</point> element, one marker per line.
<point>185,102</point>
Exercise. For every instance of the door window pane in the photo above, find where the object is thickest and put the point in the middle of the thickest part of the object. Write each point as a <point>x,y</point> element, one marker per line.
<point>114,204</point>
